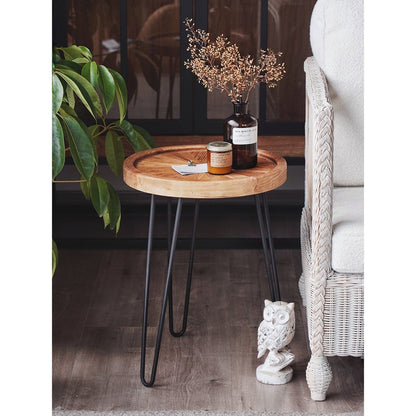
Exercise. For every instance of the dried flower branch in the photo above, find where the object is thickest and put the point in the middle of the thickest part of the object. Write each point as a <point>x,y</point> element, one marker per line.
<point>219,65</point>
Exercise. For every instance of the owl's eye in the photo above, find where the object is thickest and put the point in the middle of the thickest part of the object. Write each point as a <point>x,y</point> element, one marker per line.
<point>267,314</point>
<point>282,317</point>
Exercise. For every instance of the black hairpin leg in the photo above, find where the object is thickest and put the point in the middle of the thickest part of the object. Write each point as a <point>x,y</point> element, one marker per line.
<point>268,250</point>
<point>165,296</point>
<point>190,267</point>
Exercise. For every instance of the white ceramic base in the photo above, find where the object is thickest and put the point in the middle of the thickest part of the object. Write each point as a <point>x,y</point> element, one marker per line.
<point>264,375</point>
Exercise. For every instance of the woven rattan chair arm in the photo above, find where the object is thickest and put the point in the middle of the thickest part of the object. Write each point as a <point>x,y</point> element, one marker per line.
<point>316,85</point>
<point>321,146</point>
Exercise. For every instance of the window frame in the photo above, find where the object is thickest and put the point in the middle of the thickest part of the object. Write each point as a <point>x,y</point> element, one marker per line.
<point>193,119</point>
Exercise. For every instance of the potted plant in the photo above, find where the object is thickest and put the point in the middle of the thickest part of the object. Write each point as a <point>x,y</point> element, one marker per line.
<point>80,85</point>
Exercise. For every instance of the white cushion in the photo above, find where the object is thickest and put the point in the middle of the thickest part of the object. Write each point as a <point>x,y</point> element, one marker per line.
<point>336,35</point>
<point>348,230</point>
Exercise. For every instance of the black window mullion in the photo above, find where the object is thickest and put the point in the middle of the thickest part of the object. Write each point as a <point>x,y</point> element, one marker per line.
<point>185,76</point>
<point>123,41</point>
<point>59,23</point>
<point>263,46</point>
<point>272,127</point>
<point>201,123</point>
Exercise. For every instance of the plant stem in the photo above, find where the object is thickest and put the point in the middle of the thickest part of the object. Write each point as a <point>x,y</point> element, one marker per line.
<point>72,181</point>
<point>100,132</point>
<point>104,128</point>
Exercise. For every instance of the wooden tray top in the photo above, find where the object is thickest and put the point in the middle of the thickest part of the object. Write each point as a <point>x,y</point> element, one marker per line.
<point>151,171</point>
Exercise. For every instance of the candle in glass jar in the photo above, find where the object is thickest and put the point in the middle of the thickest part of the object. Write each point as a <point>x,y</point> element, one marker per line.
<point>219,158</point>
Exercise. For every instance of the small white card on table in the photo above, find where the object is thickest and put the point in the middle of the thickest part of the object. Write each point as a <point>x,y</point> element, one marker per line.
<point>189,170</point>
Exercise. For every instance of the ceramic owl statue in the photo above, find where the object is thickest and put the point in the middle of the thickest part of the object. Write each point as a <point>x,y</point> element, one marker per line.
<point>275,332</point>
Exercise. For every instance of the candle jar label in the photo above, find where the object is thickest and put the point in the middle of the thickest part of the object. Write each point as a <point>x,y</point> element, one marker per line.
<point>221,159</point>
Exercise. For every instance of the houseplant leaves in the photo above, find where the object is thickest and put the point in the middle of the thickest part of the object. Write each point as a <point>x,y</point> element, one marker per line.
<point>105,201</point>
<point>121,93</point>
<point>114,152</point>
<point>107,86</point>
<point>134,137</point>
<point>83,89</point>
<point>80,146</point>
<point>78,80</point>
<point>58,147</point>
<point>90,72</point>
<point>57,93</point>
<point>54,257</point>
<point>100,196</point>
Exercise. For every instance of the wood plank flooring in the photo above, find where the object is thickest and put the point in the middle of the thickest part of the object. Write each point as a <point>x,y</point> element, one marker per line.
<point>97,312</point>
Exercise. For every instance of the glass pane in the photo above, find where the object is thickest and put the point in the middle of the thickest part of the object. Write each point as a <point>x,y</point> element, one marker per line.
<point>153,31</point>
<point>96,25</point>
<point>288,32</point>
<point>239,21</point>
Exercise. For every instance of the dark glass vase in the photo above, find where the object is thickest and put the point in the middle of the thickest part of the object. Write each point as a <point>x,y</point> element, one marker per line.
<point>240,129</point>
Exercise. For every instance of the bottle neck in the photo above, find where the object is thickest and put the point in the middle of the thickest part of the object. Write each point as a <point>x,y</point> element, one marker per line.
<point>240,108</point>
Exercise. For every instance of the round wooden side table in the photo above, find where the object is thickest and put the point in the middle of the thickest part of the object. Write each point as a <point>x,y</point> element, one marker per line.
<point>151,171</point>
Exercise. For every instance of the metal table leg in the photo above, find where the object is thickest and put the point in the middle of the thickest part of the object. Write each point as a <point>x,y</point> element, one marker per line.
<point>188,283</point>
<point>263,216</point>
<point>172,239</point>
<point>165,296</point>
<point>271,270</point>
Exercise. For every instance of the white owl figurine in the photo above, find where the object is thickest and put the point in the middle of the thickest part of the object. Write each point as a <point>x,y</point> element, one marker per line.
<point>275,332</point>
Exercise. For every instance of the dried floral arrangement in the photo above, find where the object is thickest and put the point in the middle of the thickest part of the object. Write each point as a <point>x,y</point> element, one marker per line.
<point>218,64</point>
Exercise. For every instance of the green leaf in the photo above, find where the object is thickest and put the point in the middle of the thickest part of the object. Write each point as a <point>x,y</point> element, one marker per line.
<point>70,96</point>
<point>80,144</point>
<point>86,52</point>
<point>114,152</point>
<point>100,195</point>
<point>133,136</point>
<point>143,144</point>
<point>84,90</point>
<point>87,131</point>
<point>57,93</point>
<point>146,135</point>
<point>94,129</point>
<point>114,209</point>
<point>66,109</point>
<point>58,147</point>
<point>81,60</point>
<point>65,64</point>
<point>118,224</point>
<point>107,86</point>
<point>90,72</point>
<point>85,188</point>
<point>106,219</point>
<point>54,257</point>
<point>72,52</point>
<point>56,57</point>
<point>121,93</point>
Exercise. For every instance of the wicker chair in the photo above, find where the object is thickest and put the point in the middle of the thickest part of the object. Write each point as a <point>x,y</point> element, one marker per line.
<point>331,284</point>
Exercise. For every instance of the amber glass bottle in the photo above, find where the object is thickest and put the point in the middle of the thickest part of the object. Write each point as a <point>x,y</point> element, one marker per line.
<point>240,129</point>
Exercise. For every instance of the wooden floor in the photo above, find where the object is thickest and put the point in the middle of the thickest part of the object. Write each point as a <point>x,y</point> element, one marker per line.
<point>97,312</point>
